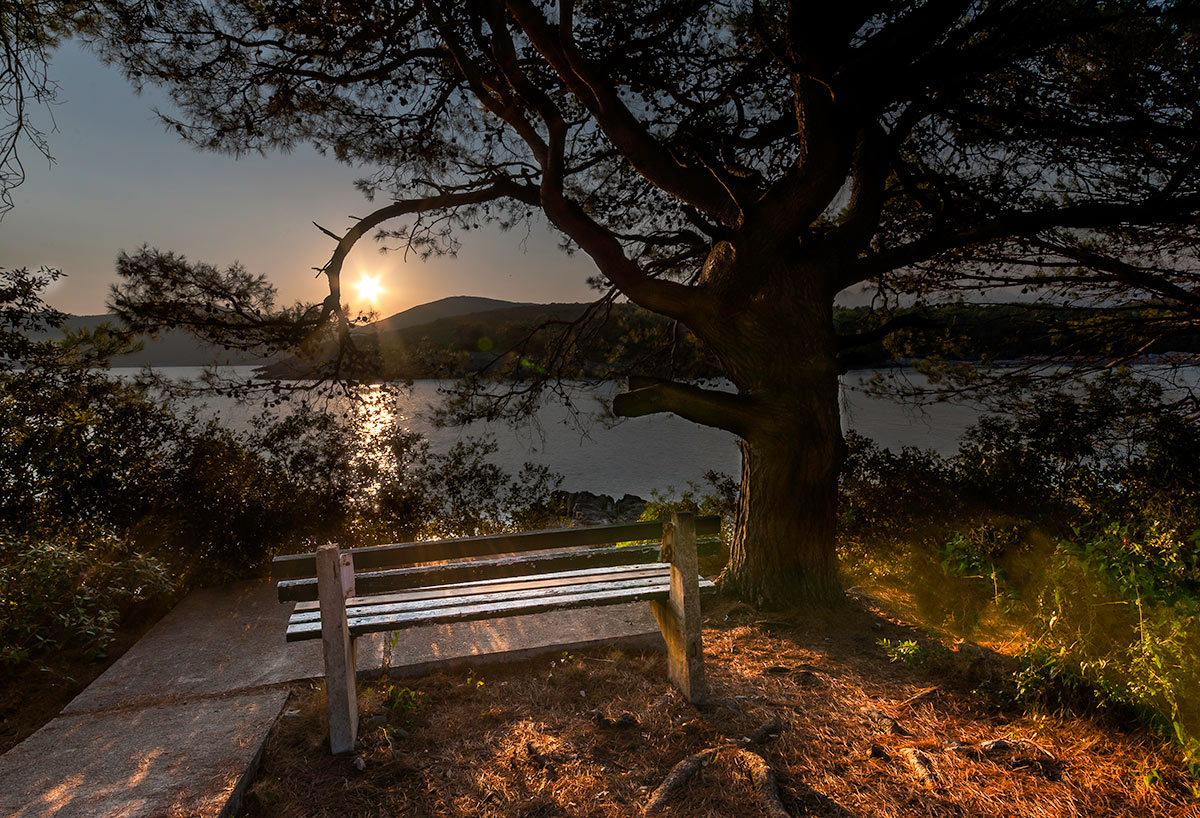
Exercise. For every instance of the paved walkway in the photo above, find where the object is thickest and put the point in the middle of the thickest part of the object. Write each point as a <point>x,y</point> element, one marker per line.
<point>176,726</point>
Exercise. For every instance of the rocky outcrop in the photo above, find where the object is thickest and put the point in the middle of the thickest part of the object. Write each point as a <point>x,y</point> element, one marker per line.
<point>585,508</point>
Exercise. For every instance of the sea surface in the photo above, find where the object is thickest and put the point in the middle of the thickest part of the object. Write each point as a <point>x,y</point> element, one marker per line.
<point>661,453</point>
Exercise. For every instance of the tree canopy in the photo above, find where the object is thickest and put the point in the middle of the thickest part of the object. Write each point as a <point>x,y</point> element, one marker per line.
<point>731,165</point>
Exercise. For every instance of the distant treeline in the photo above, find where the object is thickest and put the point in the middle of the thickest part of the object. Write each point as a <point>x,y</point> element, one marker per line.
<point>566,340</point>
<point>989,333</point>
<point>569,341</point>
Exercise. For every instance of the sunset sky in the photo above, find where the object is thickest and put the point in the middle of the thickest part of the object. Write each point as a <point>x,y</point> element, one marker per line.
<point>121,181</point>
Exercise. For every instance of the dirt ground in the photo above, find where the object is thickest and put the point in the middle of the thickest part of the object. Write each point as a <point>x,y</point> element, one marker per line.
<point>848,733</point>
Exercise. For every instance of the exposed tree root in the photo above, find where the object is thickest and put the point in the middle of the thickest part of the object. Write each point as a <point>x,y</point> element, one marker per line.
<point>885,722</point>
<point>760,772</point>
<point>921,765</point>
<point>749,762</point>
<point>680,774</point>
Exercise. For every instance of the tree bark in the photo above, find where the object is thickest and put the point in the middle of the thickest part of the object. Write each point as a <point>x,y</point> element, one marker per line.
<point>768,316</point>
<point>784,547</point>
<point>771,325</point>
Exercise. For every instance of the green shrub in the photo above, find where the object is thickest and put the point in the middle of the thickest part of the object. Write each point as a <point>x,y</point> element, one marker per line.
<point>718,497</point>
<point>69,593</point>
<point>1123,618</point>
<point>1077,518</point>
<point>909,651</point>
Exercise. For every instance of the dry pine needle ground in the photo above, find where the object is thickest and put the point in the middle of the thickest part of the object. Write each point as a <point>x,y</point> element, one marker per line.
<point>595,735</point>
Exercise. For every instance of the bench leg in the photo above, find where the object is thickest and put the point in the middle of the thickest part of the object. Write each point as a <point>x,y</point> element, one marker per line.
<point>339,649</point>
<point>679,616</point>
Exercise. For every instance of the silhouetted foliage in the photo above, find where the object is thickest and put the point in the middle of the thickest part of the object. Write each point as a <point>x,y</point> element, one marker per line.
<point>732,167</point>
<point>30,30</point>
<point>111,493</point>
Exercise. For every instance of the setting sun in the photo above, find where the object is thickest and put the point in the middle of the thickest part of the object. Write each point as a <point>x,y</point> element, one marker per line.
<point>369,289</point>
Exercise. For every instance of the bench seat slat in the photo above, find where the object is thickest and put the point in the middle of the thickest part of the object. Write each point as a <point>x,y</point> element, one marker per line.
<point>478,597</point>
<point>550,580</point>
<point>292,566</point>
<point>362,622</point>
<point>398,579</point>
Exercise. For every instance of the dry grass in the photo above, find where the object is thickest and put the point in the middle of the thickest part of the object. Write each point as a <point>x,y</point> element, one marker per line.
<point>594,736</point>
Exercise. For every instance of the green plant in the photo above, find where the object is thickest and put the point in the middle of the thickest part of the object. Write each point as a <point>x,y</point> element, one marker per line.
<point>1073,519</point>
<point>70,592</point>
<point>1151,777</point>
<point>718,498</point>
<point>404,702</point>
<point>269,791</point>
<point>909,651</point>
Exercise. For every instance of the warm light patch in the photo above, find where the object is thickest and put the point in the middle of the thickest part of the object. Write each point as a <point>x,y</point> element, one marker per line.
<point>369,288</point>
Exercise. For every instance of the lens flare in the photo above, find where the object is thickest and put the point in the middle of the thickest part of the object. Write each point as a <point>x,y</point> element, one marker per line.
<point>369,288</point>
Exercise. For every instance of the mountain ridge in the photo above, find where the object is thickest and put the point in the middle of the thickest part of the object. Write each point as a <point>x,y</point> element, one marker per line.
<point>180,348</point>
<point>450,307</point>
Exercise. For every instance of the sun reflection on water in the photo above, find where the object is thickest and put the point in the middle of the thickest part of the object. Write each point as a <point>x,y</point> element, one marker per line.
<point>374,419</point>
<point>374,412</point>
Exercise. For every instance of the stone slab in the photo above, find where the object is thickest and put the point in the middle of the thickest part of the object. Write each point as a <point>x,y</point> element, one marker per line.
<point>231,638</point>
<point>187,759</point>
<point>217,640</point>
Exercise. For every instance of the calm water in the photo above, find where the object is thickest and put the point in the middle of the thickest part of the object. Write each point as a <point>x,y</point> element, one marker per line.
<point>637,455</point>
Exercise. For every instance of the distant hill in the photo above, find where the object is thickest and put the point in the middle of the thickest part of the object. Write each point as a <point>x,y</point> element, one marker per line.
<point>411,344</point>
<point>495,322</point>
<point>450,307</point>
<point>179,348</point>
<point>168,348</point>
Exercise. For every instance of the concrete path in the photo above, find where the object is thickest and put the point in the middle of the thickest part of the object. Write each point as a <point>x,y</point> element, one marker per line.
<point>176,726</point>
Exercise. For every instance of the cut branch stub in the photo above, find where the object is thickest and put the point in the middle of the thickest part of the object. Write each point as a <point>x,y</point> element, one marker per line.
<point>648,396</point>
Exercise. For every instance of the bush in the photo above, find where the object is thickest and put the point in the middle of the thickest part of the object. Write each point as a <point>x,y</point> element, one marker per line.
<point>69,593</point>
<point>718,498</point>
<point>1122,619</point>
<point>1077,519</point>
<point>162,501</point>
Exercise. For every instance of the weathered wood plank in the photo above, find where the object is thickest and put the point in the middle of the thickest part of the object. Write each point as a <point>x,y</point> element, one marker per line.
<point>360,626</point>
<point>661,579</point>
<point>398,579</point>
<point>551,580</point>
<point>678,616</point>
<point>291,566</point>
<point>338,648</point>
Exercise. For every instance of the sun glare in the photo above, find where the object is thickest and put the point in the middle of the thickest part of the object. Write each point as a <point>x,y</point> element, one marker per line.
<point>369,289</point>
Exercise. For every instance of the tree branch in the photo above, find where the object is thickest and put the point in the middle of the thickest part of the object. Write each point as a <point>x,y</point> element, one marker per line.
<point>816,174</point>
<point>1090,215</point>
<point>499,189</point>
<point>659,295</point>
<point>869,173</point>
<point>1130,275</point>
<point>723,410</point>
<point>899,43</point>
<point>654,161</point>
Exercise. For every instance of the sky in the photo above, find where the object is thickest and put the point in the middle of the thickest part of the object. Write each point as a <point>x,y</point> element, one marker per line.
<point>120,181</point>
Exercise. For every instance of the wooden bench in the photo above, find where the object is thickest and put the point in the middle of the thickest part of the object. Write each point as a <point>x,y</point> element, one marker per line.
<point>344,594</point>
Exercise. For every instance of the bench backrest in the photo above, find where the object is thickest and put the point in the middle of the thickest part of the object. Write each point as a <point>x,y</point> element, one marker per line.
<point>384,568</point>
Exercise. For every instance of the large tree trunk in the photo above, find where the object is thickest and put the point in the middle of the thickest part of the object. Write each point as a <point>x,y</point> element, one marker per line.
<point>783,552</point>
<point>769,318</point>
<point>778,346</point>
